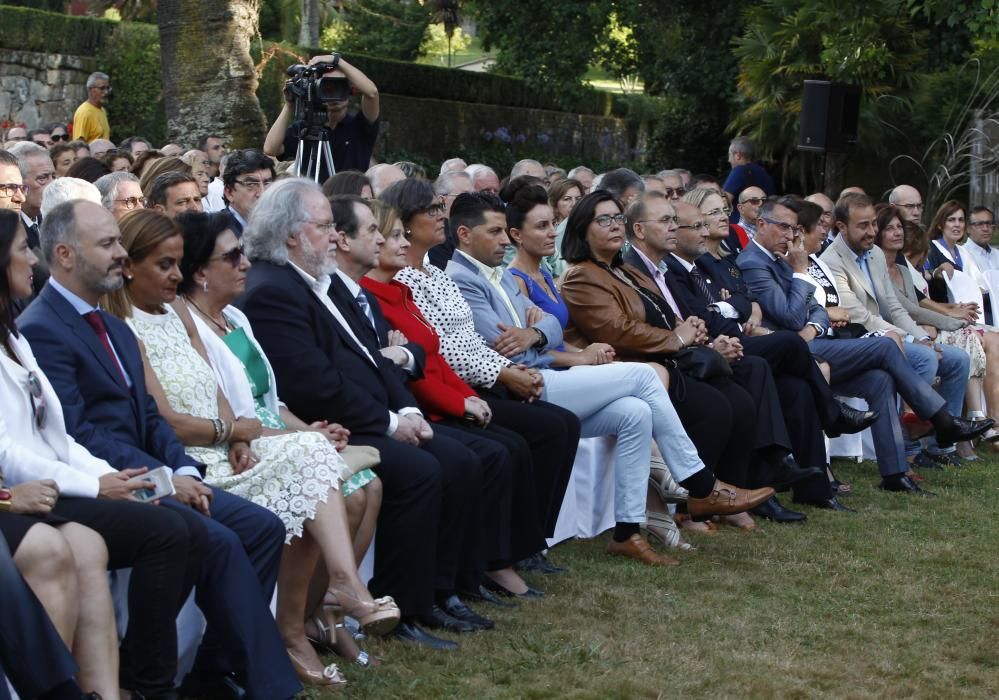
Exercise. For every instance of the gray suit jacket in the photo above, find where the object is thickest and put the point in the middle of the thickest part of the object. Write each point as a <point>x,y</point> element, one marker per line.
<point>907,296</point>
<point>490,310</point>
<point>857,297</point>
<point>788,302</point>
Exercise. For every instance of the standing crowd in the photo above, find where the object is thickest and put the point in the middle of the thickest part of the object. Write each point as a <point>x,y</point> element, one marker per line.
<point>315,359</point>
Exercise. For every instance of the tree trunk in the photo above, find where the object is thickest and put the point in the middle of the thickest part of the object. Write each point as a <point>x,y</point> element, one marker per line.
<point>209,82</point>
<point>309,33</point>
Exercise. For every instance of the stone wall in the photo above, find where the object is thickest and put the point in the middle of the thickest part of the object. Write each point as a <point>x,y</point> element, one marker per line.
<point>38,88</point>
<point>445,128</point>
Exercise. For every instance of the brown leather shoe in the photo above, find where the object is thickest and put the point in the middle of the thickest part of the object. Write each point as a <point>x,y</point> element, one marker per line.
<point>725,499</point>
<point>637,548</point>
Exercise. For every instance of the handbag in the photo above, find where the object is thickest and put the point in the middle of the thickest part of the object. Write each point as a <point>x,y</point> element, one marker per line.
<point>701,362</point>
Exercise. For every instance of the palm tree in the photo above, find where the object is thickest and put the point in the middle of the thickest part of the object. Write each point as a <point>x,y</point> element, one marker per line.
<point>209,82</point>
<point>448,13</point>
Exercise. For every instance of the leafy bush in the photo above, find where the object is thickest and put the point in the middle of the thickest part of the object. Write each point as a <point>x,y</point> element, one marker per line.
<point>131,56</point>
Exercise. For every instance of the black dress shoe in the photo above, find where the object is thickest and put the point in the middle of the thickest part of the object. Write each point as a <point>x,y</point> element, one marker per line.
<point>789,473</point>
<point>962,429</point>
<point>829,504</point>
<point>773,510</point>
<point>900,482</point>
<point>497,588</point>
<point>851,420</point>
<point>540,563</point>
<point>408,631</point>
<point>484,595</point>
<point>437,619</point>
<point>924,460</point>
<point>454,607</point>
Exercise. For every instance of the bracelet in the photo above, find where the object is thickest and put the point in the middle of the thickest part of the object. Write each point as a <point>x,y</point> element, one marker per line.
<point>217,428</point>
<point>230,429</point>
<point>679,337</point>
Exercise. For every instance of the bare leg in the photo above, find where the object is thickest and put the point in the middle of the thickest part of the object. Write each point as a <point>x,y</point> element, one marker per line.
<point>509,579</point>
<point>46,563</point>
<point>366,532</point>
<point>297,563</point>
<point>825,369</point>
<point>330,530</point>
<point>96,644</point>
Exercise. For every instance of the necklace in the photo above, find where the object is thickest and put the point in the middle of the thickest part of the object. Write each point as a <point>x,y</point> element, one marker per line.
<point>224,326</point>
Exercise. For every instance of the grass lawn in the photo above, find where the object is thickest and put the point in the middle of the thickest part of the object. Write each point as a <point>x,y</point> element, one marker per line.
<point>900,600</point>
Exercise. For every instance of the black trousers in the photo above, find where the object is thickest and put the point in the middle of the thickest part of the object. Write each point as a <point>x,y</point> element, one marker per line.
<point>165,552</point>
<point>552,433</point>
<point>807,404</point>
<point>720,419</point>
<point>487,536</point>
<point>32,654</point>
<point>517,528</point>
<point>429,493</point>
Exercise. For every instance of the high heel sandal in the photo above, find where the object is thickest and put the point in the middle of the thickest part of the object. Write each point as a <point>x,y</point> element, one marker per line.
<point>378,617</point>
<point>661,528</point>
<point>665,485</point>
<point>330,676</point>
<point>326,642</point>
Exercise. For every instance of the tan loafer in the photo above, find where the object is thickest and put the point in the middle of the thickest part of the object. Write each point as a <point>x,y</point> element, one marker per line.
<point>637,548</point>
<point>726,499</point>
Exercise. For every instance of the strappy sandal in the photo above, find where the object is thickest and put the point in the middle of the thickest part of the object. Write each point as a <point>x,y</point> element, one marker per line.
<point>325,642</point>
<point>330,676</point>
<point>661,528</point>
<point>378,617</point>
<point>665,485</point>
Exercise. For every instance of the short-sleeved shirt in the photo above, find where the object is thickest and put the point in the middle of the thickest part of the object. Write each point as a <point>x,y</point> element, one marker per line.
<point>353,142</point>
<point>91,123</point>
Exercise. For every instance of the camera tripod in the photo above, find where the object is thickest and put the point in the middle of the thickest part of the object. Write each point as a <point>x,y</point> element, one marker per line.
<point>322,136</point>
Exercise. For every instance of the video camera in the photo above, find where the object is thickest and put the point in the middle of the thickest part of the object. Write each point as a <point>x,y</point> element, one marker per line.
<point>312,90</point>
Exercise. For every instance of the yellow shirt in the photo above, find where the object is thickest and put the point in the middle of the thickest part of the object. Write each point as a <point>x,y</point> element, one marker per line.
<point>90,123</point>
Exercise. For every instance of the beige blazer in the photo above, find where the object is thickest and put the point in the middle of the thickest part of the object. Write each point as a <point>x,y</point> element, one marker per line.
<point>857,297</point>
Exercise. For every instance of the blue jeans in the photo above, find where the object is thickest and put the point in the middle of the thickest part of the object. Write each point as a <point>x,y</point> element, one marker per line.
<point>628,400</point>
<point>953,368</point>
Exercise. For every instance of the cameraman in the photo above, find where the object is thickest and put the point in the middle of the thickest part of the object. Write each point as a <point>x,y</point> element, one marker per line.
<point>353,134</point>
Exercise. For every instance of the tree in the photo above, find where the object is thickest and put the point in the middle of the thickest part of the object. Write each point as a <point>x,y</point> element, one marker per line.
<point>869,43</point>
<point>309,34</point>
<point>386,28</point>
<point>549,44</point>
<point>209,82</point>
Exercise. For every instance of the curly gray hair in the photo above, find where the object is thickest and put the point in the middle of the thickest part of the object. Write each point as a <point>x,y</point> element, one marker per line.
<point>277,216</point>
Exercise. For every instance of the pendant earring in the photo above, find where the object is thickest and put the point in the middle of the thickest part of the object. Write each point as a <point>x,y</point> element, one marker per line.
<point>204,286</point>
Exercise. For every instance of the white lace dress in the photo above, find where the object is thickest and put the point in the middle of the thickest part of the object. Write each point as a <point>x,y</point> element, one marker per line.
<point>295,471</point>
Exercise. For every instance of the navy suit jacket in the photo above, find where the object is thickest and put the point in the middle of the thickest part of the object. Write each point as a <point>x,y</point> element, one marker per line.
<point>117,424</point>
<point>322,373</point>
<point>234,224</point>
<point>788,303</point>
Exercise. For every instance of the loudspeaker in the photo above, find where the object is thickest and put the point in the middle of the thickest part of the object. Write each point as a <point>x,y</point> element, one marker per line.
<point>829,116</point>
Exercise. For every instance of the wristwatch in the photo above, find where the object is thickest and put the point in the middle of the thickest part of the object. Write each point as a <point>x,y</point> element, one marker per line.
<point>542,339</point>
<point>5,499</point>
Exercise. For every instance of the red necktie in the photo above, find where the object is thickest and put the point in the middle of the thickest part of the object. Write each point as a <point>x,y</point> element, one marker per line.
<point>97,323</point>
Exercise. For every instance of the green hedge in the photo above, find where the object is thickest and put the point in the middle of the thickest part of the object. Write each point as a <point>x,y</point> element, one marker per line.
<point>49,32</point>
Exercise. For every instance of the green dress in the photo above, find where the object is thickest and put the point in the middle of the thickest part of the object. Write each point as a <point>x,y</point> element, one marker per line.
<point>256,373</point>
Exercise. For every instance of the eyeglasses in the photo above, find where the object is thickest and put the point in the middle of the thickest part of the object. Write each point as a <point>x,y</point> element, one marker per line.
<point>976,224</point>
<point>786,229</point>
<point>233,256</point>
<point>911,207</point>
<point>37,399</point>
<point>133,202</point>
<point>675,192</point>
<point>436,209</point>
<point>253,184</point>
<point>665,220</point>
<point>699,226</point>
<point>755,201</point>
<point>327,227</point>
<point>59,137</point>
<point>718,212</point>
<point>10,189</point>
<point>605,220</point>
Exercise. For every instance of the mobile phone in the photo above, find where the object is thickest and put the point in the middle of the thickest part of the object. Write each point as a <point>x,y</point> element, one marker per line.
<point>160,484</point>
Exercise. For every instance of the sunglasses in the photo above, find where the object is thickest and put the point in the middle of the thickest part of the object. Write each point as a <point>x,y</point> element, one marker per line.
<point>675,191</point>
<point>59,137</point>
<point>230,256</point>
<point>37,399</point>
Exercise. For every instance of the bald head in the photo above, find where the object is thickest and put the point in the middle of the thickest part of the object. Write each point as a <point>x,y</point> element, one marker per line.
<point>826,218</point>
<point>909,202</point>
<point>749,203</point>
<point>691,243</point>
<point>383,175</point>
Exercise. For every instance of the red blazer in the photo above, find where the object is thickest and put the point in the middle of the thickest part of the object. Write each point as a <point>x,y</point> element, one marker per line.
<point>441,392</point>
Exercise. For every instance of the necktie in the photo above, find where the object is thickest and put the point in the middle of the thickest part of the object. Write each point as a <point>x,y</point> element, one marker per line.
<point>362,301</point>
<point>97,323</point>
<point>33,239</point>
<point>702,285</point>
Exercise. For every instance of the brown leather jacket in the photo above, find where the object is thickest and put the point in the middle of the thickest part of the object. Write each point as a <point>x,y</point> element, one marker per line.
<point>605,309</point>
